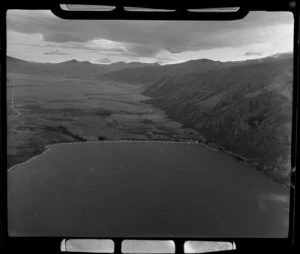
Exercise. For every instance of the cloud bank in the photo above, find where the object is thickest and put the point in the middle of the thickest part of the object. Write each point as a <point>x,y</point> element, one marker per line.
<point>116,39</point>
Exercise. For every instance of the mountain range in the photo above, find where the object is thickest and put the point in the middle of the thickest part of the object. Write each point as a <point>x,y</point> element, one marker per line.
<point>70,68</point>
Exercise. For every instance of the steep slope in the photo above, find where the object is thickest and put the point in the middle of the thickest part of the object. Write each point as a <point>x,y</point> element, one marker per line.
<point>152,73</point>
<point>244,107</point>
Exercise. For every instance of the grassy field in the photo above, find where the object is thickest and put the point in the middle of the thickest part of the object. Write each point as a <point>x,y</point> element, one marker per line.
<point>58,109</point>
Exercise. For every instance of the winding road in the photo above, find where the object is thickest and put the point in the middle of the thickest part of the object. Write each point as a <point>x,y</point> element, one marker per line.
<point>12,105</point>
<point>12,102</point>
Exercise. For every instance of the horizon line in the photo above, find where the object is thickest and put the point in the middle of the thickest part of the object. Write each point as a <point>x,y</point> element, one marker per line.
<point>154,63</point>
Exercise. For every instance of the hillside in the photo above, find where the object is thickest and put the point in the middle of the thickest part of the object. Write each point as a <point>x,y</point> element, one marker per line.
<point>152,73</point>
<point>244,107</point>
<point>71,68</point>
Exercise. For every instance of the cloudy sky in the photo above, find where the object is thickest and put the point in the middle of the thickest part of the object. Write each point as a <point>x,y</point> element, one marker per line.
<point>40,36</point>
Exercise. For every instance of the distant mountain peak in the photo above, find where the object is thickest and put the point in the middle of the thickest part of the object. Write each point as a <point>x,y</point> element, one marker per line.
<point>130,63</point>
<point>195,61</point>
<point>117,63</point>
<point>73,61</point>
<point>13,59</point>
<point>284,54</point>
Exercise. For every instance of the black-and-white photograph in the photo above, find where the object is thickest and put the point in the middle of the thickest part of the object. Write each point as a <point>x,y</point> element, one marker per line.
<point>149,128</point>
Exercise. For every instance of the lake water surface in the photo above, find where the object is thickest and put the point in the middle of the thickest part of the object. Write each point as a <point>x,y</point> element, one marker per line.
<point>142,189</point>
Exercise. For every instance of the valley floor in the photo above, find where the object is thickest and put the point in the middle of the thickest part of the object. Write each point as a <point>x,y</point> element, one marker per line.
<point>69,110</point>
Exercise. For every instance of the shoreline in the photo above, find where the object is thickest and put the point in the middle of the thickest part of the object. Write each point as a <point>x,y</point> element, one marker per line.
<point>32,158</point>
<point>247,162</point>
<point>48,147</point>
<point>229,153</point>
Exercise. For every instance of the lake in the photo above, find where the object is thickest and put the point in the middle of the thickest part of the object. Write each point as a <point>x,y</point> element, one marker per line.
<point>142,189</point>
